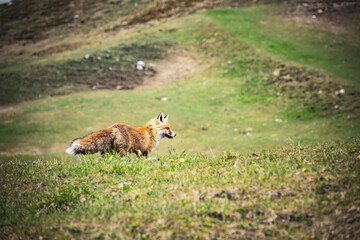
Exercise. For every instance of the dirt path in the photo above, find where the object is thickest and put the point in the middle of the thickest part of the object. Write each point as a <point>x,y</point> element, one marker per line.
<point>173,68</point>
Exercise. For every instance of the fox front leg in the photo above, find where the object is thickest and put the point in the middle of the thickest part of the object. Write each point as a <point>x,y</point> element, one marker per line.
<point>140,153</point>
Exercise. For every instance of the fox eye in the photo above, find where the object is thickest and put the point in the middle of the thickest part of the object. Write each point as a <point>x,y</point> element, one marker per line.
<point>167,128</point>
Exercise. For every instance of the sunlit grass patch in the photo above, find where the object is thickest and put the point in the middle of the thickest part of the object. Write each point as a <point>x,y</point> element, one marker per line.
<point>334,53</point>
<point>264,193</point>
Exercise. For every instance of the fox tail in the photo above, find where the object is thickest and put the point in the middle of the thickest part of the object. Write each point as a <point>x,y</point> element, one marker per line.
<point>94,142</point>
<point>74,148</point>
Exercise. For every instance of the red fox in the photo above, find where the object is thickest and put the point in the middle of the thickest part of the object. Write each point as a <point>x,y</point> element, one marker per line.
<point>124,138</point>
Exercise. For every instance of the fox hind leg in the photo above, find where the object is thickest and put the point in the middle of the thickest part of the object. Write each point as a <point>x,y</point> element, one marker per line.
<point>121,152</point>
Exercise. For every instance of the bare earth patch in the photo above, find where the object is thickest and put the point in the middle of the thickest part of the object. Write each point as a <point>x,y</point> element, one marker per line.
<point>6,110</point>
<point>56,148</point>
<point>337,15</point>
<point>173,68</point>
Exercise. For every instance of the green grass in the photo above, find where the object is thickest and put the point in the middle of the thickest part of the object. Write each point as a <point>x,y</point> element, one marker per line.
<point>334,53</point>
<point>296,192</point>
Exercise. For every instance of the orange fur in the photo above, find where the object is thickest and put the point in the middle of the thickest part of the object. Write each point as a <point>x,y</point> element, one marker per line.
<point>124,138</point>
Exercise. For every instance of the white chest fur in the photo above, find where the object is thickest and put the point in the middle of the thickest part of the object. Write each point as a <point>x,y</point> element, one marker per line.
<point>157,141</point>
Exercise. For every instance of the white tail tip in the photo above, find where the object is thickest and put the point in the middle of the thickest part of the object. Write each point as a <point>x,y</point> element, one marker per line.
<point>70,150</point>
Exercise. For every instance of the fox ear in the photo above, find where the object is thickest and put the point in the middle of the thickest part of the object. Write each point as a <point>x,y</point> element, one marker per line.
<point>161,117</point>
<point>166,117</point>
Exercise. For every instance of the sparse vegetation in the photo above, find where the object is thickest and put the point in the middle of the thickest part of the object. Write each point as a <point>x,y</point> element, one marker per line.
<point>113,68</point>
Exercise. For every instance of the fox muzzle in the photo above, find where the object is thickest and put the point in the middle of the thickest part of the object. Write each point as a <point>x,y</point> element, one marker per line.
<point>170,135</point>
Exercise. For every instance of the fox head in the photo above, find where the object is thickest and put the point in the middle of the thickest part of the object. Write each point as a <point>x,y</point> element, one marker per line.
<point>163,127</point>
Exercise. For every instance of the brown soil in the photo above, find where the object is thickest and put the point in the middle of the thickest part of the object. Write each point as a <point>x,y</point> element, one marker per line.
<point>55,148</point>
<point>28,22</point>
<point>173,68</point>
<point>316,91</point>
<point>34,18</point>
<point>339,15</point>
<point>7,110</point>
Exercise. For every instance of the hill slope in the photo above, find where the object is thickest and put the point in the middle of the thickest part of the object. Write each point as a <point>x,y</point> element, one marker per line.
<point>253,97</point>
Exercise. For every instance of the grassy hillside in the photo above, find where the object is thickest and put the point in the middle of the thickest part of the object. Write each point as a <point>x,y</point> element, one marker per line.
<point>251,99</point>
<point>265,110</point>
<point>335,54</point>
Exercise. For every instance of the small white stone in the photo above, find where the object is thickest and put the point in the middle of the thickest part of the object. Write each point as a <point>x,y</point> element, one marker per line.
<point>313,16</point>
<point>87,56</point>
<point>164,99</point>
<point>121,185</point>
<point>342,91</point>
<point>140,65</point>
<point>98,58</point>
<point>117,59</point>
<point>336,107</point>
<point>108,51</point>
<point>320,10</point>
<point>276,73</point>
<point>278,120</point>
<point>249,129</point>
<point>320,92</point>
